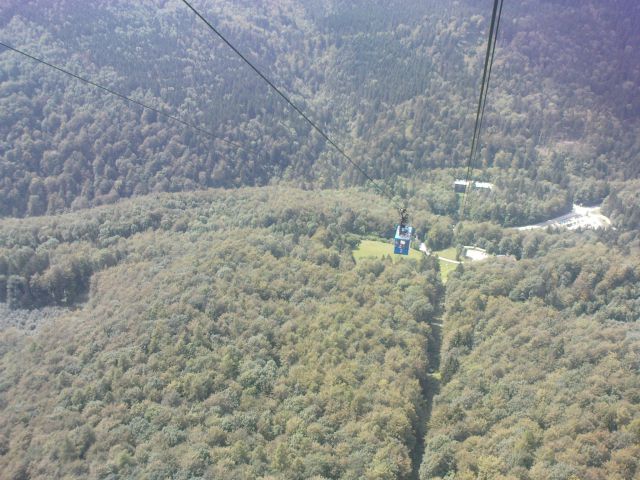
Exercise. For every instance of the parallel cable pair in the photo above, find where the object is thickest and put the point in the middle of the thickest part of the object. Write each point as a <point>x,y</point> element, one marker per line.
<point>482,102</point>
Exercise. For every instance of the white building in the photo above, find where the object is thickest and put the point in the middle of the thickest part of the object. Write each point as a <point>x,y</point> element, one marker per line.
<point>483,185</point>
<point>475,253</point>
<point>460,186</point>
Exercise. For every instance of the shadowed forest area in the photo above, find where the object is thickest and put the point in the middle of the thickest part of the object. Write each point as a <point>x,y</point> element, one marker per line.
<point>395,81</point>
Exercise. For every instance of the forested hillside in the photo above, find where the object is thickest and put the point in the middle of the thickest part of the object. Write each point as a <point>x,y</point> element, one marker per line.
<point>173,306</point>
<point>225,342</point>
<point>395,82</point>
<point>229,334</point>
<point>540,370</point>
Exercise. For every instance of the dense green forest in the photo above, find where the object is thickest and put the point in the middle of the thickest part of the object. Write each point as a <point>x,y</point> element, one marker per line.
<point>230,334</point>
<point>251,345</point>
<point>540,368</point>
<point>175,307</point>
<point>51,262</point>
<point>396,82</point>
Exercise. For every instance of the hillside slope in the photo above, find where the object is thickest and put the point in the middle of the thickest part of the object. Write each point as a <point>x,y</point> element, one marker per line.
<point>540,367</point>
<point>396,82</point>
<point>221,345</point>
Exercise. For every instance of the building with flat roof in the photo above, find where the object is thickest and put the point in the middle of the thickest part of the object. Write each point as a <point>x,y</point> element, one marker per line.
<point>483,185</point>
<point>460,186</point>
<point>474,253</point>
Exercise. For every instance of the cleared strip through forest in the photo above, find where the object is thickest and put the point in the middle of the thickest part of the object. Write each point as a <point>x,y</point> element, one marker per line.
<point>430,388</point>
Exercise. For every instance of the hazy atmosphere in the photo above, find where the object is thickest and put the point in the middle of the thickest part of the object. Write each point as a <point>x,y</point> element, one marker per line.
<point>320,239</point>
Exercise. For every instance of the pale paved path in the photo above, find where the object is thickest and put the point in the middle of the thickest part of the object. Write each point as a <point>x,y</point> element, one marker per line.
<point>448,260</point>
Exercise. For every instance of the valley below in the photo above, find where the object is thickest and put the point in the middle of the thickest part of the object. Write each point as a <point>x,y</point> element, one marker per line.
<point>233,334</point>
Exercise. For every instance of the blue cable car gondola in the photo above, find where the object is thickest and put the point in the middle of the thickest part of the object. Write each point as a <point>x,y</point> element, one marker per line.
<point>402,240</point>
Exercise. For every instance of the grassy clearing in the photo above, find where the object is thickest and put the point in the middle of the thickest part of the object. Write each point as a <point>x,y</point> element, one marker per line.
<point>449,253</point>
<point>445,269</point>
<point>375,249</point>
<point>378,249</point>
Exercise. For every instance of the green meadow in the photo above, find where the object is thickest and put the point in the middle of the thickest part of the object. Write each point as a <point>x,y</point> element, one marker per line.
<point>379,249</point>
